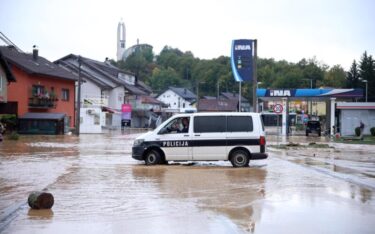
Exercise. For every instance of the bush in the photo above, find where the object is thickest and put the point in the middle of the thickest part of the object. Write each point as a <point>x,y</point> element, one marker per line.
<point>10,121</point>
<point>372,130</point>
<point>14,136</point>
<point>357,131</point>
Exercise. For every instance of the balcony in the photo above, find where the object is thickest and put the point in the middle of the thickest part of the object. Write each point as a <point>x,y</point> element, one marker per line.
<point>42,102</point>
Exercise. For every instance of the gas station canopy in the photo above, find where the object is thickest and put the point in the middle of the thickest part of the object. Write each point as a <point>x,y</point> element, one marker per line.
<point>310,94</point>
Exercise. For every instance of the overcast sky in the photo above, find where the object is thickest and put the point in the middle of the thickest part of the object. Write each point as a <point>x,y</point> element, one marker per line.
<point>335,31</point>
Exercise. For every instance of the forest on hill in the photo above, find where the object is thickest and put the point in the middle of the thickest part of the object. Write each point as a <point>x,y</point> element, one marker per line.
<point>172,67</point>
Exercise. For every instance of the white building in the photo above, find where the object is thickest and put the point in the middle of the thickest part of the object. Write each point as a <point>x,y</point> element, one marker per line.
<point>178,100</point>
<point>351,114</point>
<point>109,87</point>
<point>103,89</point>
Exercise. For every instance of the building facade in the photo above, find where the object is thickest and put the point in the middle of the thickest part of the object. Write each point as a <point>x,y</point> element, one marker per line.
<point>351,114</point>
<point>41,87</point>
<point>178,100</point>
<point>108,87</point>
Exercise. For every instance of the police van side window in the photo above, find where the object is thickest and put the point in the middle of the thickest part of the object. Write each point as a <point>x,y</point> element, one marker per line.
<point>204,124</point>
<point>240,124</point>
<point>179,125</point>
<point>169,128</point>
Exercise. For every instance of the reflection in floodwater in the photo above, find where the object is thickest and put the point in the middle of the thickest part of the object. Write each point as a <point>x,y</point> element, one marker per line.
<point>44,214</point>
<point>229,191</point>
<point>354,163</point>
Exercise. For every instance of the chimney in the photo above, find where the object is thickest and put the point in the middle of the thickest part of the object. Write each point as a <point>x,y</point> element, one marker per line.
<point>35,52</point>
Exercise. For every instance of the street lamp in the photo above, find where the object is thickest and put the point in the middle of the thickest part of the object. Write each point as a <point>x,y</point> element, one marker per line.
<point>198,82</point>
<point>257,101</point>
<point>311,82</point>
<point>311,86</point>
<point>364,81</point>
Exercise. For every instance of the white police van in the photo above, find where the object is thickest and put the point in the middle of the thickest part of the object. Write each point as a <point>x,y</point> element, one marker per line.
<point>237,137</point>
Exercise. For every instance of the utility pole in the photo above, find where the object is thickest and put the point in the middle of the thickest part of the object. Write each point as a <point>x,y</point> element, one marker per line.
<point>255,80</point>
<point>197,95</point>
<point>78,101</point>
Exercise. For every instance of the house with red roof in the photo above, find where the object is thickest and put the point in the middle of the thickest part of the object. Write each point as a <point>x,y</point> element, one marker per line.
<point>43,96</point>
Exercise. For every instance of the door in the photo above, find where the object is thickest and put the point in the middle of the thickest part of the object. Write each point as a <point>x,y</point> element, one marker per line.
<point>209,138</point>
<point>174,139</point>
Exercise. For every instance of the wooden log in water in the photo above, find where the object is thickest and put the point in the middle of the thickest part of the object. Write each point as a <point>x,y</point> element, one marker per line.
<point>40,200</point>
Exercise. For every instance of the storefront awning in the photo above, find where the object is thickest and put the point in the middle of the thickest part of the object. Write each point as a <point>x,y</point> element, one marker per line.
<point>54,116</point>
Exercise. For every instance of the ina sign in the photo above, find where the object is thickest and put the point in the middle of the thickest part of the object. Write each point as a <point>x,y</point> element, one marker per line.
<point>242,60</point>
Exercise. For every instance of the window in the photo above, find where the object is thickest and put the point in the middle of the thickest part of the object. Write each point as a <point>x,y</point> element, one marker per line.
<point>240,124</point>
<point>65,94</point>
<point>96,120</point>
<point>179,125</point>
<point>209,124</point>
<point>38,90</point>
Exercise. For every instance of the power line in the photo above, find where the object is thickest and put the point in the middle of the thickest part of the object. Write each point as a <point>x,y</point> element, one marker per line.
<point>9,42</point>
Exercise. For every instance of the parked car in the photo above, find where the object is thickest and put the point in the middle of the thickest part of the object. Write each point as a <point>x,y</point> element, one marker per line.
<point>313,126</point>
<point>237,137</point>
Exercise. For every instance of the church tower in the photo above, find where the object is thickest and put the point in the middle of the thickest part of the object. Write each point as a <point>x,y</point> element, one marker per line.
<point>120,40</point>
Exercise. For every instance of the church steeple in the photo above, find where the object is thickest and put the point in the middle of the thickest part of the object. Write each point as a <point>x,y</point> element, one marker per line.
<point>121,39</point>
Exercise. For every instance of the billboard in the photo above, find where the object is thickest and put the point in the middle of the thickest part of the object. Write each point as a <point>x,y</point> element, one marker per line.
<point>242,60</point>
<point>126,115</point>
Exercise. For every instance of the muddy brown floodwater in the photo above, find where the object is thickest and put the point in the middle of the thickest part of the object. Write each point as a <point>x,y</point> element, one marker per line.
<point>99,188</point>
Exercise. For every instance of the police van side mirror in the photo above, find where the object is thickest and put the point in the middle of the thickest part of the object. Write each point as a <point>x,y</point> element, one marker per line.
<point>163,131</point>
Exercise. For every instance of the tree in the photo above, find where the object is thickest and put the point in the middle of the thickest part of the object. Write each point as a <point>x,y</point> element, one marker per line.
<point>162,78</point>
<point>312,70</point>
<point>367,72</point>
<point>266,70</point>
<point>140,62</point>
<point>169,57</point>
<point>335,77</point>
<point>290,79</point>
<point>352,76</point>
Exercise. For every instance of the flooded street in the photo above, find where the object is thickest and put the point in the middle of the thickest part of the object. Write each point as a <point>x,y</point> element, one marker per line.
<point>99,188</point>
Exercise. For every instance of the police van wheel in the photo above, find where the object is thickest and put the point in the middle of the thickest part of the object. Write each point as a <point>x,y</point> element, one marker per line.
<point>152,157</point>
<point>240,158</point>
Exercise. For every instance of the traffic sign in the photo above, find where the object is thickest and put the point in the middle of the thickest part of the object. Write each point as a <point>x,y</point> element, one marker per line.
<point>278,108</point>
